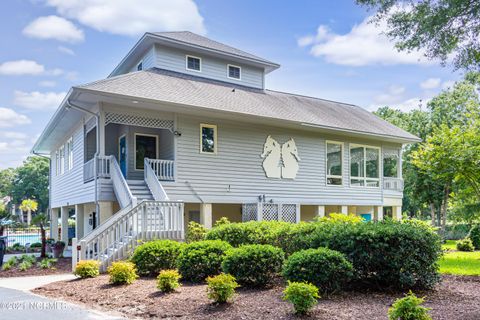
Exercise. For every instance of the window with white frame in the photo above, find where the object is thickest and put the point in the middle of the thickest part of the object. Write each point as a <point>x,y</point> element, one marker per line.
<point>69,153</point>
<point>364,166</point>
<point>391,163</point>
<point>234,72</point>
<point>61,152</point>
<point>208,138</point>
<point>334,163</point>
<point>193,63</point>
<point>57,163</point>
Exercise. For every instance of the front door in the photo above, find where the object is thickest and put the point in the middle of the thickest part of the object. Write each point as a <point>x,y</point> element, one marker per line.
<point>122,155</point>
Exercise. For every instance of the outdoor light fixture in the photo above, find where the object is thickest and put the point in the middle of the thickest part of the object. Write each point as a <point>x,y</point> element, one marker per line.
<point>177,133</point>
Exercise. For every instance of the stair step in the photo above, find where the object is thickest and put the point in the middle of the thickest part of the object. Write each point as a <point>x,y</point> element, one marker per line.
<point>135,182</point>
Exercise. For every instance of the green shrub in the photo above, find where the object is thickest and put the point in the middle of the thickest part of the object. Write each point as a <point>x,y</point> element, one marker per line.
<point>302,295</point>
<point>327,269</point>
<point>221,222</point>
<point>47,263</point>
<point>253,265</point>
<point>168,280</point>
<point>195,232</point>
<point>388,254</point>
<point>36,245</point>
<point>341,218</point>
<point>13,260</point>
<point>25,265</point>
<point>87,269</point>
<point>221,288</point>
<point>474,235</point>
<point>252,232</point>
<point>408,308</point>
<point>154,256</point>
<point>9,264</point>
<point>28,258</point>
<point>465,245</point>
<point>456,231</point>
<point>122,272</point>
<point>201,259</point>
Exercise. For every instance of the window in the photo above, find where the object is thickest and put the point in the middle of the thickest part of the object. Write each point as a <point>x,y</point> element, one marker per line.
<point>140,66</point>
<point>57,163</point>
<point>208,138</point>
<point>70,154</point>
<point>364,166</point>
<point>145,147</point>
<point>61,151</point>
<point>234,72</point>
<point>391,163</point>
<point>194,63</point>
<point>334,163</point>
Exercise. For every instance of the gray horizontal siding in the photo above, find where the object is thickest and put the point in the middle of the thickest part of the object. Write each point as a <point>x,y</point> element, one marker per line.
<point>148,60</point>
<point>235,173</point>
<point>213,68</point>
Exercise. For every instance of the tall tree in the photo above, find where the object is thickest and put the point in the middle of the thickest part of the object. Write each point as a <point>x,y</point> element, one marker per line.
<point>6,181</point>
<point>41,220</point>
<point>443,29</point>
<point>29,205</point>
<point>31,182</point>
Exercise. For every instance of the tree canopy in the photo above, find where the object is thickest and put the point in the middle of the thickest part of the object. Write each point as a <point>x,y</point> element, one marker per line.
<point>443,29</point>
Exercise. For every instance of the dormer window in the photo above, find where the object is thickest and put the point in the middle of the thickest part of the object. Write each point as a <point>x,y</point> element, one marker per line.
<point>234,72</point>
<point>140,66</point>
<point>194,63</point>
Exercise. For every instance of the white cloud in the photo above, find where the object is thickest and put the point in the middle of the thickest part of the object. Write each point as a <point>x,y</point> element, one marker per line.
<point>411,103</point>
<point>66,50</point>
<point>21,67</point>
<point>13,135</point>
<point>393,95</point>
<point>132,18</point>
<point>14,148</point>
<point>430,83</point>
<point>365,44</point>
<point>38,100</point>
<point>10,118</point>
<point>47,83</point>
<point>448,84</point>
<point>54,27</point>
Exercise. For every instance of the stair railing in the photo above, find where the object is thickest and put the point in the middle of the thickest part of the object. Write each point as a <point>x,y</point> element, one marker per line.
<point>152,181</point>
<point>120,186</point>
<point>119,235</point>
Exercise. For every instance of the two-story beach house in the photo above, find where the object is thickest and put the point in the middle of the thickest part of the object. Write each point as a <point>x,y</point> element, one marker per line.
<point>184,129</point>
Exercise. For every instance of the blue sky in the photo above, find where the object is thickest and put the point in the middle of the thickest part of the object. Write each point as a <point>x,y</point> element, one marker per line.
<point>326,49</point>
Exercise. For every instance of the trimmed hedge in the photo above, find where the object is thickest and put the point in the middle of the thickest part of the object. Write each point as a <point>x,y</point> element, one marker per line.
<point>154,256</point>
<point>385,255</point>
<point>253,265</point>
<point>327,269</point>
<point>474,235</point>
<point>201,259</point>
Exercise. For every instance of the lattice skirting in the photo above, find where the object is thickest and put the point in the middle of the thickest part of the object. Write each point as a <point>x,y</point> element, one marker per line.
<point>289,212</point>
<point>132,120</point>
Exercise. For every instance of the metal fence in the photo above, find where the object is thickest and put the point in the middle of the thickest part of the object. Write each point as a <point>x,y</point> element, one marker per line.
<point>22,235</point>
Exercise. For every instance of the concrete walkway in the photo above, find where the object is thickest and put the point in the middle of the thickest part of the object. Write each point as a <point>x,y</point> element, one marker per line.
<point>17,303</point>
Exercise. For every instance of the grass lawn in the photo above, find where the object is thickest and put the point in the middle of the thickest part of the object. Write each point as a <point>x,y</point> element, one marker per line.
<point>459,263</point>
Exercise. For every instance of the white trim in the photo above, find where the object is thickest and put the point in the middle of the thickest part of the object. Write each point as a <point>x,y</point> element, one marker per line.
<point>135,134</point>
<point>139,63</point>
<point>61,151</point>
<point>365,178</point>
<point>69,154</point>
<point>235,66</point>
<point>341,163</point>
<point>195,57</point>
<point>215,137</point>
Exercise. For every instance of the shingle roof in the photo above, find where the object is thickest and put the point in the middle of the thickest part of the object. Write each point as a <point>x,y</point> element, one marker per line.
<point>168,86</point>
<point>197,40</point>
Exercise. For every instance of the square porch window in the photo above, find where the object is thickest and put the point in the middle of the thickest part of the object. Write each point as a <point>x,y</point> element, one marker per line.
<point>208,138</point>
<point>146,146</point>
<point>234,72</point>
<point>334,163</point>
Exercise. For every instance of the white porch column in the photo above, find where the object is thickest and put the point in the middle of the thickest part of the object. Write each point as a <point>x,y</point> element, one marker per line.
<point>79,221</point>
<point>344,210</point>
<point>54,223</point>
<point>397,212</point>
<point>206,215</point>
<point>320,211</point>
<point>64,217</point>
<point>101,132</point>
<point>378,213</point>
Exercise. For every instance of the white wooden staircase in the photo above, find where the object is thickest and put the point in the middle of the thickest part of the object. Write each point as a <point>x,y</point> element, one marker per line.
<point>146,214</point>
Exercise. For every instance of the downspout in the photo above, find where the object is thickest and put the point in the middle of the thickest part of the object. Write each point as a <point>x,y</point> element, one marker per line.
<point>97,151</point>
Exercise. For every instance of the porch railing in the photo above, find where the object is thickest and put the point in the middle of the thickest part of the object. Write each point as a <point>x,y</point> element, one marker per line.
<point>103,168</point>
<point>164,169</point>
<point>153,182</point>
<point>394,184</point>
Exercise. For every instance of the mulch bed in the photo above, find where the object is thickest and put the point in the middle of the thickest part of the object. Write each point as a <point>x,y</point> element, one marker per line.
<point>455,298</point>
<point>63,265</point>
